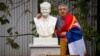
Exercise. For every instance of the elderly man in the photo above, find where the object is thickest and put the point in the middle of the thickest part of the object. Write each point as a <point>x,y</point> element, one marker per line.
<point>68,27</point>
<point>46,24</point>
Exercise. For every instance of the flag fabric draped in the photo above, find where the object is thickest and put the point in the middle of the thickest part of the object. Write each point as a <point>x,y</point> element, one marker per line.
<point>74,37</point>
<point>76,43</point>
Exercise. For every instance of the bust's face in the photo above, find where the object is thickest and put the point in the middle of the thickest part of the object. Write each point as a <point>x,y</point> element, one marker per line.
<point>45,11</point>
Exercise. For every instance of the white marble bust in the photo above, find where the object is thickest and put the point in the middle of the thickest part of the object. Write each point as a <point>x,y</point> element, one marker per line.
<point>46,24</point>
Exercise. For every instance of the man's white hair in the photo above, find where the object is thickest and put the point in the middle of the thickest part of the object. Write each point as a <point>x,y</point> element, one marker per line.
<point>45,4</point>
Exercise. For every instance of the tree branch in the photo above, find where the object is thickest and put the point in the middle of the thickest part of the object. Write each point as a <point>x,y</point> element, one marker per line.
<point>19,5</point>
<point>20,35</point>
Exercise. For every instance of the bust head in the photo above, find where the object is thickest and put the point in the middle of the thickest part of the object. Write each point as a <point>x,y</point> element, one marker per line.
<point>45,9</point>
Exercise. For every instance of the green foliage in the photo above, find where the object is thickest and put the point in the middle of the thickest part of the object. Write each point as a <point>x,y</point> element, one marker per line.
<point>32,22</point>
<point>27,11</point>
<point>16,32</point>
<point>82,6</point>
<point>53,10</point>
<point>88,30</point>
<point>12,43</point>
<point>98,46</point>
<point>3,7</point>
<point>3,20</point>
<point>9,30</point>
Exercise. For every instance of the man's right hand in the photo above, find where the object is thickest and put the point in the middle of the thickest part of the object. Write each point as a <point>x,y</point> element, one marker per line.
<point>38,16</point>
<point>63,34</point>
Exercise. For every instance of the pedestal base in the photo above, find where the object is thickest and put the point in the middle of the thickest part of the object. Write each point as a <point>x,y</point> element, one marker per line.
<point>37,50</point>
<point>44,46</point>
<point>45,41</point>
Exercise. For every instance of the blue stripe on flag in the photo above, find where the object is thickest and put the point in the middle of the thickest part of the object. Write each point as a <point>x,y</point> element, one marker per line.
<point>74,34</point>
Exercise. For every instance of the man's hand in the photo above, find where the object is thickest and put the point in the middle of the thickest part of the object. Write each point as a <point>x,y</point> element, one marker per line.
<point>63,34</point>
<point>38,16</point>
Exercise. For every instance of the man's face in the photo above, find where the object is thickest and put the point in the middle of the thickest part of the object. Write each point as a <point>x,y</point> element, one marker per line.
<point>63,11</point>
<point>45,11</point>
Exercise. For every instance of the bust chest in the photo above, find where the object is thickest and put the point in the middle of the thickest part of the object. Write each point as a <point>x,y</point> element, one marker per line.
<point>45,27</point>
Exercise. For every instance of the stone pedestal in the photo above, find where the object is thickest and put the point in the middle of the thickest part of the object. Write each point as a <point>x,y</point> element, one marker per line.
<point>44,46</point>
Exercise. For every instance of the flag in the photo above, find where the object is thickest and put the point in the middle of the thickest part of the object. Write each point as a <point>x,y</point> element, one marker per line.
<point>74,36</point>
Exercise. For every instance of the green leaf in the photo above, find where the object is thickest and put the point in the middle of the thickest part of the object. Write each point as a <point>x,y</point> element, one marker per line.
<point>6,21</point>
<point>98,46</point>
<point>16,32</point>
<point>27,11</point>
<point>34,28</point>
<point>10,33</point>
<point>14,45</point>
<point>8,40</point>
<point>3,20</point>
<point>9,30</point>
<point>53,11</point>
<point>3,7</point>
<point>32,22</point>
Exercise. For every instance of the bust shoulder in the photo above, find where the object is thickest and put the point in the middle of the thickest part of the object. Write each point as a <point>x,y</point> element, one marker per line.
<point>53,18</point>
<point>36,20</point>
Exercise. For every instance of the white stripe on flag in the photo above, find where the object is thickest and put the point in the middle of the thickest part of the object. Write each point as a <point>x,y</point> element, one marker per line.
<point>77,47</point>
